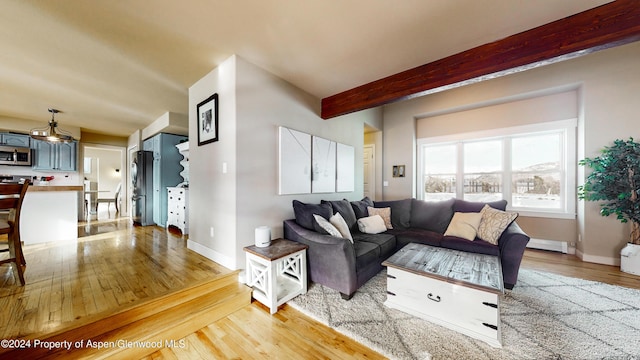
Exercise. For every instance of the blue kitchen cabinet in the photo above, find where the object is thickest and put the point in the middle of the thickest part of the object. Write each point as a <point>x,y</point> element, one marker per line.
<point>17,140</point>
<point>55,156</point>
<point>166,170</point>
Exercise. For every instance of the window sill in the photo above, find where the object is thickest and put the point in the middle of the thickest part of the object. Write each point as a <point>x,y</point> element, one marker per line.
<point>544,214</point>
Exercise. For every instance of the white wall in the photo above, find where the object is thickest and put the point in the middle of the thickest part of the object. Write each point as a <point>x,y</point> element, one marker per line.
<point>608,84</point>
<point>212,194</point>
<point>253,104</point>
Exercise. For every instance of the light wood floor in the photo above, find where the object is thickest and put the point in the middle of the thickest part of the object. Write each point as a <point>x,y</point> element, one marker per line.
<point>114,264</point>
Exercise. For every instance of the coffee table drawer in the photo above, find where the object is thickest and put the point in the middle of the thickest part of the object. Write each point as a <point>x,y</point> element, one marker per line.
<point>468,310</point>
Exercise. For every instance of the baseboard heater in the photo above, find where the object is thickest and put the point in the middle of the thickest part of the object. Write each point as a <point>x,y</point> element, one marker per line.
<point>551,245</point>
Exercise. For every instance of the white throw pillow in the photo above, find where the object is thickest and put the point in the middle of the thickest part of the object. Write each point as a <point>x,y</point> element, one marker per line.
<point>372,224</point>
<point>338,221</point>
<point>464,225</point>
<point>494,222</point>
<point>385,214</point>
<point>327,226</point>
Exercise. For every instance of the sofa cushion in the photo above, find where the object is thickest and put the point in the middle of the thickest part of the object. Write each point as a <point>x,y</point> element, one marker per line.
<point>323,226</point>
<point>464,225</point>
<point>493,223</point>
<point>420,236</point>
<point>372,224</point>
<point>431,215</point>
<point>400,212</point>
<point>360,207</point>
<point>478,246</point>
<point>476,206</point>
<point>384,213</point>
<point>345,209</point>
<point>337,221</point>
<point>304,213</point>
<point>386,242</point>
<point>366,253</point>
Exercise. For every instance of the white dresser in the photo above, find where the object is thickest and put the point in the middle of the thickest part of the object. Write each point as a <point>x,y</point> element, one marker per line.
<point>178,208</point>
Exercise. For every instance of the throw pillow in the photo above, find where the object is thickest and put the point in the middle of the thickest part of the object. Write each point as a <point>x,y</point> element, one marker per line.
<point>325,226</point>
<point>337,221</point>
<point>384,213</point>
<point>464,225</point>
<point>360,207</point>
<point>493,223</point>
<point>371,225</point>
<point>304,213</point>
<point>345,209</point>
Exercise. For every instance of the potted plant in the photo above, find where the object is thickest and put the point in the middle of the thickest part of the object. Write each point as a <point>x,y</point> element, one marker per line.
<point>615,181</point>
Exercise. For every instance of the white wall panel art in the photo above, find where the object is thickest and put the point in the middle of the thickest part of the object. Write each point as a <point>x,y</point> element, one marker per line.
<point>295,162</point>
<point>346,161</point>
<point>323,157</point>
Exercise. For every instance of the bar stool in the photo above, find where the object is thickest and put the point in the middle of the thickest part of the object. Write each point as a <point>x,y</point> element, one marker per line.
<point>11,198</point>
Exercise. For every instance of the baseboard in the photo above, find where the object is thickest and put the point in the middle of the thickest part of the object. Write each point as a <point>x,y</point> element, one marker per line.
<point>551,245</point>
<point>605,260</point>
<point>211,254</point>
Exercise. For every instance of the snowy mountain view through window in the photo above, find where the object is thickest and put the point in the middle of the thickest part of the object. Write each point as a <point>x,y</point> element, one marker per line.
<point>526,169</point>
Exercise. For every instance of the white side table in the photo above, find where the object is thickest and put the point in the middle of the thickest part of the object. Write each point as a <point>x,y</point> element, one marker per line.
<point>278,272</point>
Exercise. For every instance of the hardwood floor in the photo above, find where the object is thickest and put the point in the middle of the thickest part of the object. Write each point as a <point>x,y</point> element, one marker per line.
<point>118,265</point>
<point>115,264</point>
<point>572,266</point>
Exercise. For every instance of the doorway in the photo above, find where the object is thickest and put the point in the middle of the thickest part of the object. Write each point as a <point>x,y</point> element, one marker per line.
<point>103,172</point>
<point>372,170</point>
<point>369,161</point>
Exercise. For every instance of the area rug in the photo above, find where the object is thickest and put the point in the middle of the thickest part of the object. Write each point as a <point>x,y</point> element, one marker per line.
<point>546,316</point>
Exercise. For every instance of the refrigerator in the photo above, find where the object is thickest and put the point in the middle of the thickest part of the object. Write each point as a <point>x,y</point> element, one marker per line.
<point>142,185</point>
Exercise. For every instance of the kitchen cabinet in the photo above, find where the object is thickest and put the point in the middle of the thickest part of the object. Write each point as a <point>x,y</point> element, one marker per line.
<point>17,140</point>
<point>166,170</point>
<point>55,156</point>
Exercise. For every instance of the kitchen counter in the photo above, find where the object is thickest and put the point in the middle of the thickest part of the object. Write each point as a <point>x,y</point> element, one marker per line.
<point>50,213</point>
<point>56,188</point>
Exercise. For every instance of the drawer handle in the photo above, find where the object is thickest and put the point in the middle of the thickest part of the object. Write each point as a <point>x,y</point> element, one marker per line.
<point>432,298</point>
<point>391,276</point>
<point>390,293</point>
<point>490,326</point>
<point>495,306</point>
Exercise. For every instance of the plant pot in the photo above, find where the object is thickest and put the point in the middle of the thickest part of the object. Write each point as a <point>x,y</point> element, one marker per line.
<point>630,259</point>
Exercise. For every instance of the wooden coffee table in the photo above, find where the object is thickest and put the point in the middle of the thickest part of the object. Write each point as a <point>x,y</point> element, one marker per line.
<point>455,289</point>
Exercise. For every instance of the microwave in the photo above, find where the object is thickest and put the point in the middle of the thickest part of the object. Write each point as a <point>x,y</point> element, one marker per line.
<point>10,155</point>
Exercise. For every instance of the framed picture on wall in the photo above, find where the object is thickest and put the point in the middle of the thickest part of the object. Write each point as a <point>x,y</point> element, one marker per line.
<point>208,120</point>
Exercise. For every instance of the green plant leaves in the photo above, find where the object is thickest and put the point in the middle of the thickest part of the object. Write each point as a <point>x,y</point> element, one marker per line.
<point>615,180</point>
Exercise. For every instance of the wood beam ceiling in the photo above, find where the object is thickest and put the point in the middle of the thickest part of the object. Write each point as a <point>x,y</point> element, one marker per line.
<point>606,26</point>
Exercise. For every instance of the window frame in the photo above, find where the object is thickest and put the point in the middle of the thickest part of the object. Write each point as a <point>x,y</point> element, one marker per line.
<point>568,132</point>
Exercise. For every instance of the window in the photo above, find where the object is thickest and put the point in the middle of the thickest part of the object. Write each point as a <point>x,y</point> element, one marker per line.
<point>532,167</point>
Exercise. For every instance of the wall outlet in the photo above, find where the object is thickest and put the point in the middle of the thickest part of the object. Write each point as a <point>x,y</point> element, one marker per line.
<point>211,231</point>
<point>579,237</point>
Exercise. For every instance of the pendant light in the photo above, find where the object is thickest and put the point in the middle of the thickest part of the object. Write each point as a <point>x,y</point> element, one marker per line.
<point>51,133</point>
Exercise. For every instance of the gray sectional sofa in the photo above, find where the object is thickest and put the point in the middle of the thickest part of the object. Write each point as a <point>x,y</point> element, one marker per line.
<point>345,266</point>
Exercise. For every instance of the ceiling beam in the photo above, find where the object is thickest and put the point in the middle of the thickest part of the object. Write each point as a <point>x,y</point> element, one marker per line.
<point>606,26</point>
